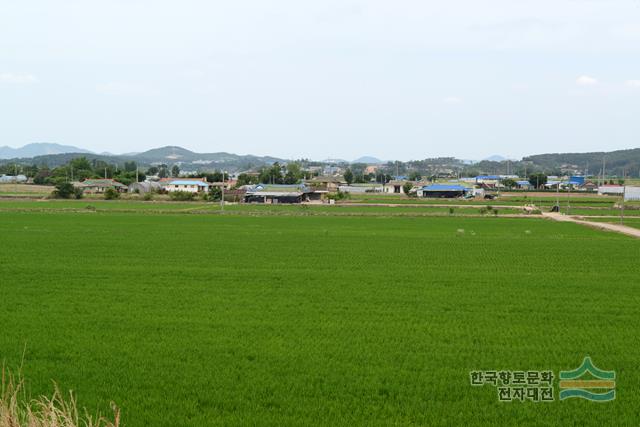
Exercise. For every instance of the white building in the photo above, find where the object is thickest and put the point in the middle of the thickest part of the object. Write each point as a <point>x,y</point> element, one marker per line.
<point>186,185</point>
<point>631,193</point>
<point>616,190</point>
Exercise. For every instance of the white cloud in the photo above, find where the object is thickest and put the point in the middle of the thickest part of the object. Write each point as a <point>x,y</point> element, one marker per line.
<point>586,81</point>
<point>13,78</point>
<point>452,100</point>
<point>633,83</point>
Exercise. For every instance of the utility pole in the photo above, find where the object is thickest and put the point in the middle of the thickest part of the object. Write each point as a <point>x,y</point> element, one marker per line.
<point>624,191</point>
<point>222,198</point>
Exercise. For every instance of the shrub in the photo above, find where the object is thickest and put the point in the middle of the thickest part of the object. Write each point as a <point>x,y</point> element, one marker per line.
<point>66,190</point>
<point>215,194</point>
<point>339,195</point>
<point>147,196</point>
<point>183,196</point>
<point>451,210</point>
<point>111,194</point>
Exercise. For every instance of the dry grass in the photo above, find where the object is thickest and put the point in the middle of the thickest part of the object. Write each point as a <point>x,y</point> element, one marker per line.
<point>19,410</point>
<point>26,189</point>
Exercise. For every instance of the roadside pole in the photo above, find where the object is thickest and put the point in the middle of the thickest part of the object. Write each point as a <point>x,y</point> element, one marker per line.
<point>222,198</point>
<point>624,191</point>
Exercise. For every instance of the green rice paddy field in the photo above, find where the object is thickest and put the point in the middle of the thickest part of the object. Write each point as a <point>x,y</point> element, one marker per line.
<point>234,319</point>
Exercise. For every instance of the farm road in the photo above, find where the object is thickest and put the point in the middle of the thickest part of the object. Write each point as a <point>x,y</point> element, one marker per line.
<point>618,228</point>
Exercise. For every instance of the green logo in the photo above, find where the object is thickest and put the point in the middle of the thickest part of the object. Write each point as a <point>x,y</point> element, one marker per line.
<point>588,382</point>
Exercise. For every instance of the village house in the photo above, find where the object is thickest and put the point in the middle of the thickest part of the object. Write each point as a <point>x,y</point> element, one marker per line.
<point>192,185</point>
<point>97,186</point>
<point>329,183</point>
<point>188,185</point>
<point>271,193</point>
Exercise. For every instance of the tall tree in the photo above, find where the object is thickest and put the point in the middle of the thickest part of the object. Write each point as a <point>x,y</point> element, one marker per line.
<point>348,176</point>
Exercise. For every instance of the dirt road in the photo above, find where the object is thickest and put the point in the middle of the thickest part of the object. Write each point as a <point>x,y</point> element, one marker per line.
<point>618,228</point>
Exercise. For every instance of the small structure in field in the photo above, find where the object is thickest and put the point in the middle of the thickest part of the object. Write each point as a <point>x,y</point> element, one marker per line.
<point>98,186</point>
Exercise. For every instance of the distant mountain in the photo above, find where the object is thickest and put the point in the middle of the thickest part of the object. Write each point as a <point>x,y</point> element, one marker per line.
<point>368,160</point>
<point>188,160</point>
<point>620,162</point>
<point>496,158</point>
<point>38,149</point>
<point>174,154</point>
<point>336,161</point>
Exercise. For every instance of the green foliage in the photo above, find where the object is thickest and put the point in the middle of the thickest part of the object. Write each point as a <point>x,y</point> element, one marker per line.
<point>215,194</point>
<point>386,315</point>
<point>175,171</point>
<point>130,166</point>
<point>66,190</point>
<point>216,176</point>
<point>415,176</point>
<point>246,179</point>
<point>148,196</point>
<point>538,180</point>
<point>184,196</point>
<point>348,176</point>
<point>271,175</point>
<point>407,187</point>
<point>339,195</point>
<point>111,194</point>
<point>509,183</point>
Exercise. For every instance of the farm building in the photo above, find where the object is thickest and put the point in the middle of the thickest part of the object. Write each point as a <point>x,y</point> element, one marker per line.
<point>12,178</point>
<point>523,185</point>
<point>394,187</point>
<point>616,190</point>
<point>361,188</point>
<point>101,185</point>
<point>268,193</point>
<point>331,183</point>
<point>443,191</point>
<point>144,187</point>
<point>632,193</point>
<point>188,185</point>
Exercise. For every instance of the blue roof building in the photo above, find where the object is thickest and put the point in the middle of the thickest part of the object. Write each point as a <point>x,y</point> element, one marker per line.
<point>443,191</point>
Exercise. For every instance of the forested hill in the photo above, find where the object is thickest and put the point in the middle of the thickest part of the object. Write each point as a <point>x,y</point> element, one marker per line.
<point>616,162</point>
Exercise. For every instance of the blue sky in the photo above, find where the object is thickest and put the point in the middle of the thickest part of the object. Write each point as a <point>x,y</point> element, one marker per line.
<point>397,80</point>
